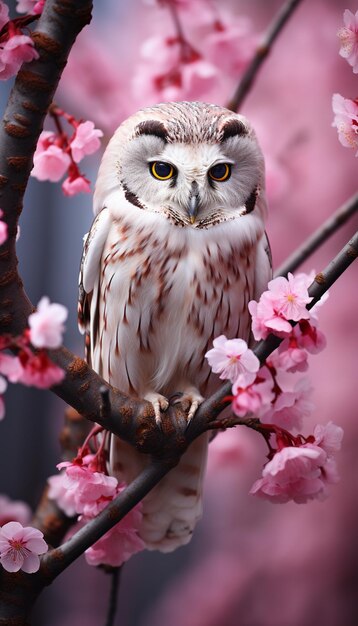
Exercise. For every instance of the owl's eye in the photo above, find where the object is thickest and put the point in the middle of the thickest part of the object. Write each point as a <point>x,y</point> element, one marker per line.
<point>220,172</point>
<point>161,170</point>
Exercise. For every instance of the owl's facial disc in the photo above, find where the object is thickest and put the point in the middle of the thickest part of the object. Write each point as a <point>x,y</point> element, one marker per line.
<point>194,184</point>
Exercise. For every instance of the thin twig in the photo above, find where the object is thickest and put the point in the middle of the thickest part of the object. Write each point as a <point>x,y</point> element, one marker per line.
<point>262,52</point>
<point>105,407</point>
<point>340,217</point>
<point>113,595</point>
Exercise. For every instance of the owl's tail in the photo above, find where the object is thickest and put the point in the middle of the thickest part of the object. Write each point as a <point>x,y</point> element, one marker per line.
<point>172,509</point>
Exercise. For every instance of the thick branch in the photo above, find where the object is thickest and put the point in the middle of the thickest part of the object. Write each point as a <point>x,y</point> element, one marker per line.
<point>330,226</point>
<point>24,116</point>
<point>261,53</point>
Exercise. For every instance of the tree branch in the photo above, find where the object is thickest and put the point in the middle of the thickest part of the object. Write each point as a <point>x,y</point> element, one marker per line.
<point>262,52</point>
<point>330,226</point>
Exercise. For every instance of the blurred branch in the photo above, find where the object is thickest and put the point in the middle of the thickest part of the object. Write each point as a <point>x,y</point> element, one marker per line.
<point>112,605</point>
<point>340,217</point>
<point>261,53</point>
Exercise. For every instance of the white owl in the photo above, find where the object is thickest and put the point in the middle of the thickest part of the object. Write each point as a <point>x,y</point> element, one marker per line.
<point>175,253</point>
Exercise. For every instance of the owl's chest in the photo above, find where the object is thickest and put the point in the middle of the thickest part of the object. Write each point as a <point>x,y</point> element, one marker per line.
<point>197,280</point>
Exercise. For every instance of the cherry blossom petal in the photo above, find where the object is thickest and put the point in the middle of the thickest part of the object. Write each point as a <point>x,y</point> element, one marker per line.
<point>73,186</point>
<point>39,371</point>
<point>31,563</point>
<point>86,140</point>
<point>232,359</point>
<point>64,497</point>
<point>328,437</point>
<point>4,14</point>
<point>47,324</point>
<point>50,163</point>
<point>346,120</point>
<point>3,232</point>
<point>348,36</point>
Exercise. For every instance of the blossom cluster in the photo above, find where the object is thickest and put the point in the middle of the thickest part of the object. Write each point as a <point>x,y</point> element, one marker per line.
<point>346,109</point>
<point>57,153</point>
<point>15,47</point>
<point>173,68</point>
<point>299,468</point>
<point>33,367</point>
<point>84,489</point>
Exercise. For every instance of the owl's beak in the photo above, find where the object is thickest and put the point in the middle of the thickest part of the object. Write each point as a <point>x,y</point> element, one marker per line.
<point>193,204</point>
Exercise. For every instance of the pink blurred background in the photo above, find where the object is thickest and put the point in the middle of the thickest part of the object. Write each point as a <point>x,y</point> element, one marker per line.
<point>251,563</point>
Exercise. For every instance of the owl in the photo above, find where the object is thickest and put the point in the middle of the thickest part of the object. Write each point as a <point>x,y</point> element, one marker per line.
<point>175,253</point>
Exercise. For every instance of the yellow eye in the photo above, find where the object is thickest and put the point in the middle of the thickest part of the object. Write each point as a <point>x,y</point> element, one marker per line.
<point>161,170</point>
<point>220,172</point>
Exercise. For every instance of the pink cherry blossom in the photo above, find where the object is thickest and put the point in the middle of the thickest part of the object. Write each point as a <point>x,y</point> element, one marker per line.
<point>230,46</point>
<point>32,7</point>
<point>85,141</point>
<point>294,473</point>
<point>285,300</point>
<point>17,50</point>
<point>64,497</point>
<point>10,366</point>
<point>3,231</point>
<point>47,324</point>
<point>309,337</point>
<point>290,296</point>
<point>348,36</point>
<point>346,120</point>
<point>291,357</point>
<point>255,398</point>
<point>232,359</point>
<point>20,547</point>
<point>50,161</point>
<point>119,543</point>
<point>72,186</point>
<point>91,490</point>
<point>328,437</point>
<point>179,72</point>
<point>4,14</point>
<point>302,472</point>
<point>39,371</point>
<point>3,387</point>
<point>292,404</point>
<point>165,49</point>
<point>267,319</point>
<point>197,78</point>
<point>13,511</point>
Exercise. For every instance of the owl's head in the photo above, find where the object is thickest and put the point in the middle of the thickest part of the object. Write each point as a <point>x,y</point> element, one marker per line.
<point>195,164</point>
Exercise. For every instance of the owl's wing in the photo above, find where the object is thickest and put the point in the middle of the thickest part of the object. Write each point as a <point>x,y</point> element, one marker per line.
<point>89,273</point>
<point>263,266</point>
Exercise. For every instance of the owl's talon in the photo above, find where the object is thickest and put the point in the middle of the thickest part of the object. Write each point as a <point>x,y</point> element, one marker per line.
<point>160,404</point>
<point>190,401</point>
